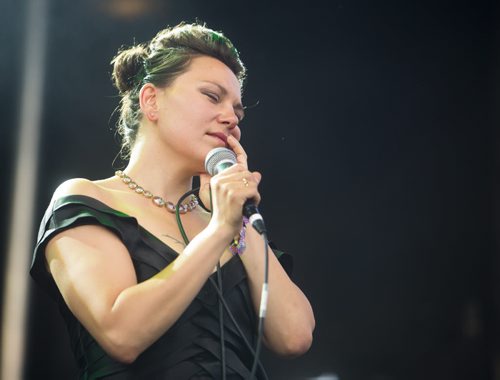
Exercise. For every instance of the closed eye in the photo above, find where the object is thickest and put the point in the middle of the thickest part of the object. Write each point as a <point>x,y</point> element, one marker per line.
<point>212,96</point>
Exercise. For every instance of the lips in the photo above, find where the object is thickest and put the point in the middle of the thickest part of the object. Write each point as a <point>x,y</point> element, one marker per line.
<point>219,135</point>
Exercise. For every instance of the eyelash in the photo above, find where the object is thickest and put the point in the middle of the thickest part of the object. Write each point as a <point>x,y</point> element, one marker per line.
<point>215,98</point>
<point>212,96</point>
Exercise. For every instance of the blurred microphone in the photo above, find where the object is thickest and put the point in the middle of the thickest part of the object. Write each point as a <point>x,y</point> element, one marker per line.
<point>219,159</point>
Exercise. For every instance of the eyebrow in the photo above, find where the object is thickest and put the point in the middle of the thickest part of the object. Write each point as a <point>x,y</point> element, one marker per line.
<point>238,107</point>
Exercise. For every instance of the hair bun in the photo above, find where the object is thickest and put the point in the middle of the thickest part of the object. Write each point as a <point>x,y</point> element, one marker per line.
<point>128,67</point>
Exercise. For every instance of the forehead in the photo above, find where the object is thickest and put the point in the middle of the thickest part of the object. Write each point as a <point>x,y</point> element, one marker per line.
<point>208,69</point>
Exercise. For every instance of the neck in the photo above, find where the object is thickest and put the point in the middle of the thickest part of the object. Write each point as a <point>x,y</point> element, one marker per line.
<point>158,171</point>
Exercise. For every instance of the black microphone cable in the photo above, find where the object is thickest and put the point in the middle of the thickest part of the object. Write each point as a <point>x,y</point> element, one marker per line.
<point>217,160</point>
<point>218,289</point>
<point>263,307</point>
<point>221,313</point>
<point>221,324</point>
<point>219,281</point>
<point>260,227</point>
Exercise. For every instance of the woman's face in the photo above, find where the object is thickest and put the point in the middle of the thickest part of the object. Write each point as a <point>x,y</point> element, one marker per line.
<point>200,109</point>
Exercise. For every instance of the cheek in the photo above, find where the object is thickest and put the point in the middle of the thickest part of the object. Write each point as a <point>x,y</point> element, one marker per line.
<point>236,132</point>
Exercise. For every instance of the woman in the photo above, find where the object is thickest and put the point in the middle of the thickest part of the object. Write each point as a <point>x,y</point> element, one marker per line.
<point>137,295</point>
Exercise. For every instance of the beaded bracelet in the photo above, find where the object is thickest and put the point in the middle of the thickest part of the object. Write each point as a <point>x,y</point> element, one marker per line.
<point>238,244</point>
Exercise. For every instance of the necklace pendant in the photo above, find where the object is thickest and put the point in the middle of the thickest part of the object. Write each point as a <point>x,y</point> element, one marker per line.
<point>158,201</point>
<point>170,206</point>
<point>192,203</point>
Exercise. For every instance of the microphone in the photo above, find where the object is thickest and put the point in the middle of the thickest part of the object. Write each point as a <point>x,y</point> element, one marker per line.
<point>219,159</point>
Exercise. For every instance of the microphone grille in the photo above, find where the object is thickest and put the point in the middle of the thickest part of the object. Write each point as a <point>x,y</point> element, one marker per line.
<point>218,156</point>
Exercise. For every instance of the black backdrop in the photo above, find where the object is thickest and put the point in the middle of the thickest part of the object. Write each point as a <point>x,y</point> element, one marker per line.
<point>375,134</point>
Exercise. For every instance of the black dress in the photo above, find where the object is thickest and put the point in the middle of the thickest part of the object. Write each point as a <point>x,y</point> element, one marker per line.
<point>191,348</point>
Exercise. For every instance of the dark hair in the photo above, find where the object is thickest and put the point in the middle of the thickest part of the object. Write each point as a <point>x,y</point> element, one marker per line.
<point>159,62</point>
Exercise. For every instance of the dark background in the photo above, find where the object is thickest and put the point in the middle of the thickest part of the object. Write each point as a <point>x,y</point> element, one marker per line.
<point>376,133</point>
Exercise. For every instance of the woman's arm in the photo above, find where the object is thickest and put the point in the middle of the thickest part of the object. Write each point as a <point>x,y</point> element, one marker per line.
<point>95,275</point>
<point>289,321</point>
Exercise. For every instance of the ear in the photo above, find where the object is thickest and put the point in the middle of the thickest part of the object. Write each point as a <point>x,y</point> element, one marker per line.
<point>148,100</point>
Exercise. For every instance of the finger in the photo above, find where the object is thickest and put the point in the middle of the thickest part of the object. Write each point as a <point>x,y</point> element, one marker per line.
<point>257,177</point>
<point>237,174</point>
<point>232,170</point>
<point>244,190</point>
<point>248,186</point>
<point>241,155</point>
<point>244,176</point>
<point>250,193</point>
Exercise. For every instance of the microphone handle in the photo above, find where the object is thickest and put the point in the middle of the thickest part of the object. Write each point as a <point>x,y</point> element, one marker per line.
<point>251,211</point>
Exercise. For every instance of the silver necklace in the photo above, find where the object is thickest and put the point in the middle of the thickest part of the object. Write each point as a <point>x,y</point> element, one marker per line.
<point>157,200</point>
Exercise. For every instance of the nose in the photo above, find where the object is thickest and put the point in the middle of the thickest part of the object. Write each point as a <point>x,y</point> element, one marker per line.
<point>228,117</point>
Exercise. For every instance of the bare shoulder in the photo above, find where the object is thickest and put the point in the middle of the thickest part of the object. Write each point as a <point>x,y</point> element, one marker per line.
<point>87,237</point>
<point>78,186</point>
<point>81,186</point>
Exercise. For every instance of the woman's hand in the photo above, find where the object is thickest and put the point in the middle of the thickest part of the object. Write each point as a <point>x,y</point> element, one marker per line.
<point>230,189</point>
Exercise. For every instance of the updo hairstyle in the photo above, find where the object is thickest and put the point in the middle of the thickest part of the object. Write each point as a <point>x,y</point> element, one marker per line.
<point>159,62</point>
